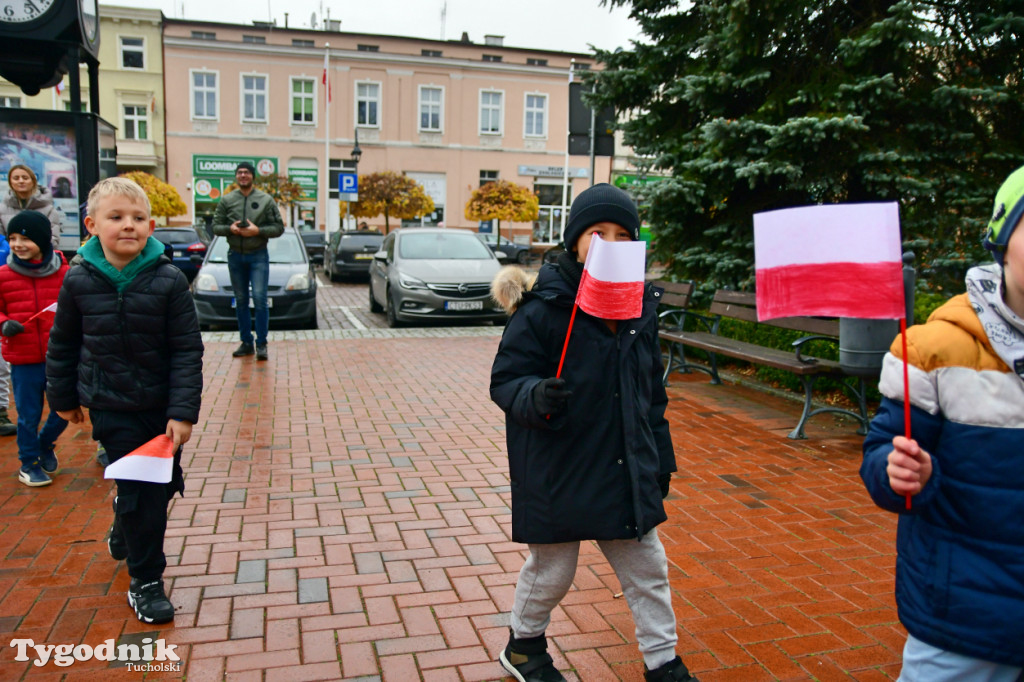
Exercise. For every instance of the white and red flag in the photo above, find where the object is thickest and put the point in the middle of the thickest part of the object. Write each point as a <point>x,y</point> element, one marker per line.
<point>48,310</point>
<point>152,462</point>
<point>835,260</point>
<point>612,286</point>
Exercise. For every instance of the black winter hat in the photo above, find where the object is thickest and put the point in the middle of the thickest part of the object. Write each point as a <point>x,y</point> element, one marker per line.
<point>247,166</point>
<point>598,204</point>
<point>35,226</point>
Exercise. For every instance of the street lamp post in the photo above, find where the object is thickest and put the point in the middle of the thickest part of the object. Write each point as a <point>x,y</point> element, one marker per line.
<point>356,154</point>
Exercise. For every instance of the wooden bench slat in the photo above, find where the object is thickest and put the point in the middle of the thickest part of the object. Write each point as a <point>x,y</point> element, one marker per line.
<point>743,350</point>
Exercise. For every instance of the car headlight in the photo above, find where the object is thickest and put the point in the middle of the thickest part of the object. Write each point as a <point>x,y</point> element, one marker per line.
<point>205,282</point>
<point>410,282</point>
<point>297,282</point>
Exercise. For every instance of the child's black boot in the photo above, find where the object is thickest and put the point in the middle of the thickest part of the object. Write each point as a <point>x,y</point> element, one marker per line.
<point>528,660</point>
<point>150,602</point>
<point>673,671</point>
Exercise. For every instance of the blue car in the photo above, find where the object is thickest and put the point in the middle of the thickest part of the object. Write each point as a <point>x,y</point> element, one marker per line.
<point>180,244</point>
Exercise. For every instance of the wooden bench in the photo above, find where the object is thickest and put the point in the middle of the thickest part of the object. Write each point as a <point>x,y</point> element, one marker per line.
<point>741,305</point>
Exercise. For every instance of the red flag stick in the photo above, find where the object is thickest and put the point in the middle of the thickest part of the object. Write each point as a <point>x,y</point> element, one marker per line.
<point>565,346</point>
<point>906,387</point>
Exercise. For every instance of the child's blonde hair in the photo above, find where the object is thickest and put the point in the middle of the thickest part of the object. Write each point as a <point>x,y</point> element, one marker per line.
<point>116,187</point>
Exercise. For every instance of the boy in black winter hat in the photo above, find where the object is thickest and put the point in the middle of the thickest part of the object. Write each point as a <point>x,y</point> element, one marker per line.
<point>590,454</point>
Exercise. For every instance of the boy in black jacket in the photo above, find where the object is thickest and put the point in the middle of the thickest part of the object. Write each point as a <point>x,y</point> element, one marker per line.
<point>125,343</point>
<point>590,454</point>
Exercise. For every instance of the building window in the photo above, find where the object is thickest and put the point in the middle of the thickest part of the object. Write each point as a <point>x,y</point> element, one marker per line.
<point>303,103</point>
<point>260,40</point>
<point>132,53</point>
<point>368,48</point>
<point>492,58</point>
<point>582,66</point>
<point>136,122</point>
<point>299,42</point>
<point>536,116</point>
<point>204,95</point>
<point>204,35</point>
<point>83,105</point>
<point>430,53</point>
<point>254,98</point>
<point>490,112</point>
<point>533,61</point>
<point>488,176</point>
<point>431,102</point>
<point>10,102</point>
<point>368,104</point>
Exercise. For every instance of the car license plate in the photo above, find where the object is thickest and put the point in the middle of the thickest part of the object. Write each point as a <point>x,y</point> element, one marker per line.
<point>363,256</point>
<point>463,305</point>
<point>178,254</point>
<point>252,304</point>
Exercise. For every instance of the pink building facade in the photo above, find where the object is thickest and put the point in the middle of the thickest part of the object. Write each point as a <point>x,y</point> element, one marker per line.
<point>451,114</point>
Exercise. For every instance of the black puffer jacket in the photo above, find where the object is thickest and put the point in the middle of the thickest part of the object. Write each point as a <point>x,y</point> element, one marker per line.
<point>137,350</point>
<point>592,472</point>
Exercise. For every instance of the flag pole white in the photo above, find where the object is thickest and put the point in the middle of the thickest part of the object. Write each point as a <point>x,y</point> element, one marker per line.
<point>326,184</point>
<point>565,165</point>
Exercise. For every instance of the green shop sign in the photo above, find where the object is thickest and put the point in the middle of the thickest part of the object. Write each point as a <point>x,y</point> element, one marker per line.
<point>307,179</point>
<point>627,180</point>
<point>224,166</point>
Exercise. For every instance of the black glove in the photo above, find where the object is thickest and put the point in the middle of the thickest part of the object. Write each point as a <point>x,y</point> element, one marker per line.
<point>11,328</point>
<point>550,396</point>
<point>664,481</point>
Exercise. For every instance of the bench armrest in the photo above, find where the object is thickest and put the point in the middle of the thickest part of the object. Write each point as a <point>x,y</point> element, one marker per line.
<point>708,322</point>
<point>799,344</point>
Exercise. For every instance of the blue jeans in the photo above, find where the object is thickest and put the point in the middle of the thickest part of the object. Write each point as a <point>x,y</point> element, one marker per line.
<point>250,269</point>
<point>29,388</point>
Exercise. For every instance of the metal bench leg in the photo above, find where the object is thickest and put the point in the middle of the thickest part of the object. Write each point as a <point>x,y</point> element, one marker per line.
<point>668,364</point>
<point>862,404</point>
<point>798,432</point>
<point>714,368</point>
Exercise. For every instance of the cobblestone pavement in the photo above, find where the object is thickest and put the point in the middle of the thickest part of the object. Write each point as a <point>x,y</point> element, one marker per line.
<point>347,518</point>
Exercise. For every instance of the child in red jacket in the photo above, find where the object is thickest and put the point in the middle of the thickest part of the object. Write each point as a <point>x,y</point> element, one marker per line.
<point>28,284</point>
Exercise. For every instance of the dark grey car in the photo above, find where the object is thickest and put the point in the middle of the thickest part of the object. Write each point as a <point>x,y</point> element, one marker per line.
<point>349,254</point>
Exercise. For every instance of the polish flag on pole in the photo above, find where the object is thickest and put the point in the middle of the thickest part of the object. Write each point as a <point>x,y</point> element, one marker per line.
<point>152,462</point>
<point>612,286</point>
<point>52,308</point>
<point>326,82</point>
<point>837,260</point>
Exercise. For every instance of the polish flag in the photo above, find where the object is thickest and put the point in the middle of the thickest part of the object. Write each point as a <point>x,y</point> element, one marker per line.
<point>612,286</point>
<point>152,462</point>
<point>327,84</point>
<point>59,87</point>
<point>51,309</point>
<point>836,260</point>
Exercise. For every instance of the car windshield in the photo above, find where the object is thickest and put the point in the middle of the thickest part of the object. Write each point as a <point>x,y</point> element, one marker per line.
<point>284,249</point>
<point>442,245</point>
<point>358,241</point>
<point>181,236</point>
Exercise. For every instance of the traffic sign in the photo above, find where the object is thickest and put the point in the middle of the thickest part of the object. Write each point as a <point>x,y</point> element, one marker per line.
<point>348,183</point>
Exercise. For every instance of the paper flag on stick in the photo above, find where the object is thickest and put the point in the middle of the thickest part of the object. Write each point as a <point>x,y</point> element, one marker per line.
<point>52,308</point>
<point>612,286</point>
<point>835,260</point>
<point>152,462</point>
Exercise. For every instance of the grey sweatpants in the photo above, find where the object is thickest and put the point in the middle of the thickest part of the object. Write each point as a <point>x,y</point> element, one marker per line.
<point>5,383</point>
<point>642,570</point>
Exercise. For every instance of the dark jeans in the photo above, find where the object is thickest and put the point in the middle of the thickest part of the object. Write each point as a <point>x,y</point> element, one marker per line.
<point>141,507</point>
<point>250,269</point>
<point>29,387</point>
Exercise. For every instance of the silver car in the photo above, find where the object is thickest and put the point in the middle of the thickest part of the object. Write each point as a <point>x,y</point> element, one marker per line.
<point>423,273</point>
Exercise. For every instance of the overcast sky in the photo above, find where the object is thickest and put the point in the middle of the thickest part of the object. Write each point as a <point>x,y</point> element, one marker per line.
<point>567,25</point>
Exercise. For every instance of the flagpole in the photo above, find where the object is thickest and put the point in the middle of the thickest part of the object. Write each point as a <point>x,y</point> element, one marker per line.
<point>565,166</point>
<point>326,184</point>
<point>565,346</point>
<point>906,388</point>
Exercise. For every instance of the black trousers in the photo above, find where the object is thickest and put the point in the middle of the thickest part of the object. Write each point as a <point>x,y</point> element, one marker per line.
<point>140,507</point>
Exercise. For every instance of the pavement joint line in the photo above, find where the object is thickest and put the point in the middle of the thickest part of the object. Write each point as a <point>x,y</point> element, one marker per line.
<point>347,312</point>
<point>333,334</point>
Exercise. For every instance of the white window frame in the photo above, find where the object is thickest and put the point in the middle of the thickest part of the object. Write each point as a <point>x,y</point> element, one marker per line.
<point>243,93</point>
<point>8,99</point>
<point>440,109</point>
<point>527,110</point>
<point>500,108</point>
<point>192,94</point>
<point>311,97</point>
<point>136,119</point>
<point>121,51</point>
<point>357,100</point>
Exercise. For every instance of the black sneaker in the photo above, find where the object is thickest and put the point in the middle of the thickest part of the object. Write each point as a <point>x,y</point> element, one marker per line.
<point>673,671</point>
<point>149,601</point>
<point>243,350</point>
<point>115,539</point>
<point>527,660</point>
<point>33,476</point>
<point>7,427</point>
<point>261,352</point>
<point>48,460</point>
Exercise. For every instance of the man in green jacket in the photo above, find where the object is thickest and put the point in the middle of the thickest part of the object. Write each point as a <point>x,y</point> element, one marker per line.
<point>249,219</point>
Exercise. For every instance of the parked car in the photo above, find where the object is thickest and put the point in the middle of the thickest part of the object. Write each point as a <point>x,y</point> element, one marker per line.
<point>314,241</point>
<point>291,293</point>
<point>424,273</point>
<point>180,244</point>
<point>349,254</point>
<point>516,253</point>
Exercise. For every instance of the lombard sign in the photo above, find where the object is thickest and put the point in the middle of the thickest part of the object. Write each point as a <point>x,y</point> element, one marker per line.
<point>552,171</point>
<point>307,179</point>
<point>224,166</point>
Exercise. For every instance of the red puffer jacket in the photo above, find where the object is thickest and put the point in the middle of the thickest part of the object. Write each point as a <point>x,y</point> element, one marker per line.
<point>21,297</point>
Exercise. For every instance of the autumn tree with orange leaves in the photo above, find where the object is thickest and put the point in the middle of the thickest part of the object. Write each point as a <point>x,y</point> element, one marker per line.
<point>503,200</point>
<point>164,200</point>
<point>393,194</point>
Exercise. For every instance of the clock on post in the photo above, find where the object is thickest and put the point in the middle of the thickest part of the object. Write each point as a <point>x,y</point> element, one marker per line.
<point>40,40</point>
